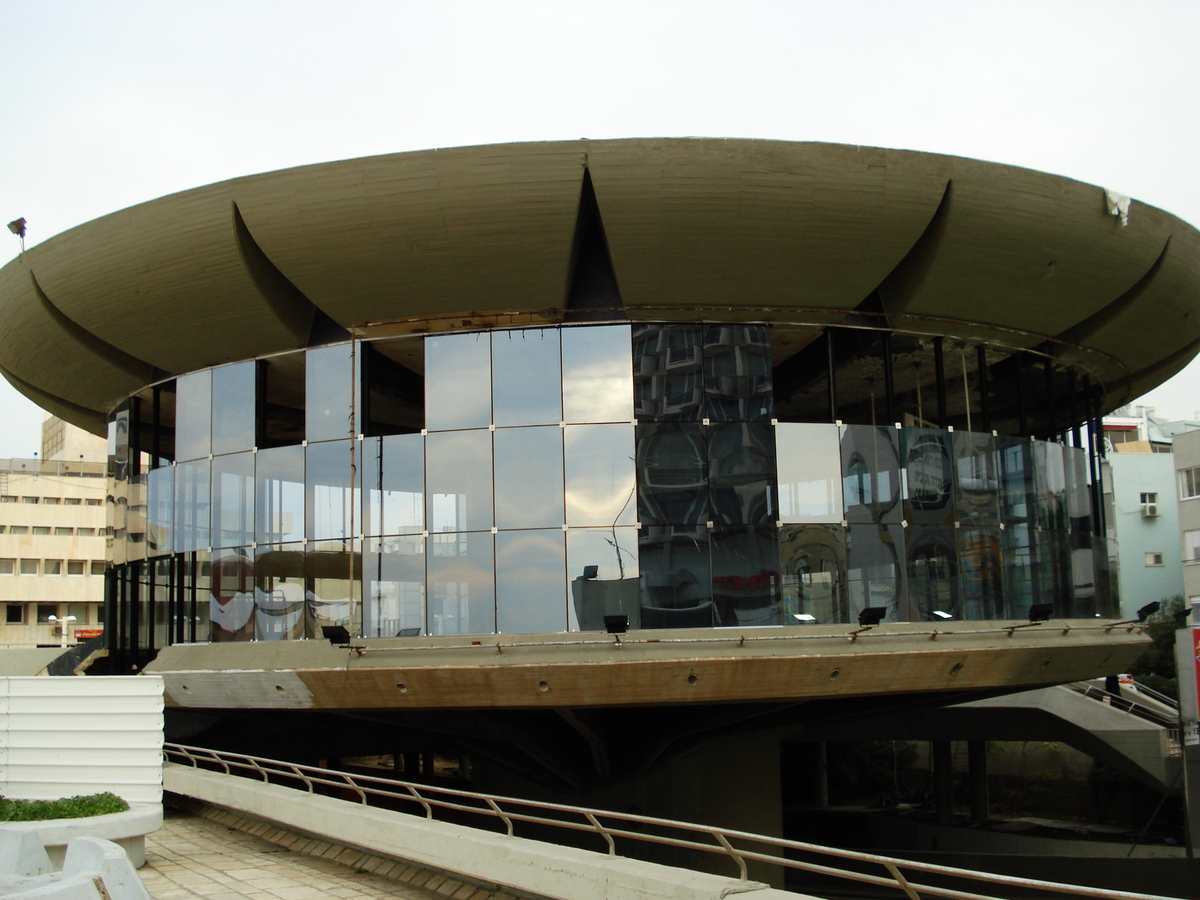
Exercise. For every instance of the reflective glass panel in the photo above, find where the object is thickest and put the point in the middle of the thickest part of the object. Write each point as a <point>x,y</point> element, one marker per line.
<point>597,376</point>
<point>668,373</point>
<point>928,477</point>
<point>279,507</point>
<point>458,381</point>
<point>870,474</point>
<point>976,488</point>
<point>741,474</point>
<point>599,474</point>
<point>160,510</point>
<point>810,472</point>
<point>676,577</point>
<point>329,474</point>
<point>812,567</point>
<point>876,570</point>
<point>526,377</point>
<point>197,569</point>
<point>160,635</point>
<point>333,573</point>
<point>602,568</point>
<point>233,398</point>
<point>737,373</point>
<point>745,576</point>
<point>193,406</point>
<point>458,477</point>
<point>1085,585</point>
<point>119,462</point>
<point>329,393</point>
<point>279,592</point>
<point>135,519</point>
<point>531,584</point>
<point>981,573</point>
<point>1050,485</point>
<point>672,462</point>
<point>932,572</point>
<point>233,500</point>
<point>1014,458</point>
<point>529,477</point>
<point>191,506</point>
<point>394,390</point>
<point>1078,497</point>
<point>461,580</point>
<point>394,484</point>
<point>1021,585</point>
<point>231,596</point>
<point>394,587</point>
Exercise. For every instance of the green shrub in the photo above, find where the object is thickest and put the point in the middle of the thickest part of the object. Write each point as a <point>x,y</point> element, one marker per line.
<point>67,808</point>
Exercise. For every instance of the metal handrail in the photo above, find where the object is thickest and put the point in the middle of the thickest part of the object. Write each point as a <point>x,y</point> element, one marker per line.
<point>509,810</point>
<point>1126,704</point>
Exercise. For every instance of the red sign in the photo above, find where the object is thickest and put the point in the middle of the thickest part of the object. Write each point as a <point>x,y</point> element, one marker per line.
<point>86,634</point>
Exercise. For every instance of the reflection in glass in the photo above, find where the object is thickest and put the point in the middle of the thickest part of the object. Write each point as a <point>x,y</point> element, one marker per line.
<point>870,474</point>
<point>191,506</point>
<point>462,593</point>
<point>981,573</point>
<point>329,393</point>
<point>458,381</point>
<point>233,396</point>
<point>233,500</point>
<point>1021,583</point>
<point>526,377</point>
<point>1078,497</point>
<point>602,568</point>
<point>279,508</point>
<point>193,407</point>
<point>331,571</point>
<point>977,494</point>
<point>135,518</point>
<point>668,375</point>
<point>745,575</point>
<point>331,499</point>
<point>529,476</point>
<point>599,474</point>
<point>928,476</point>
<point>810,473</point>
<point>1015,459</point>
<point>231,596</point>
<point>741,474</point>
<point>932,572</point>
<point>458,473</point>
<point>160,510</point>
<point>812,565</point>
<point>160,632</point>
<point>279,592</point>
<point>676,577</point>
<point>672,463</point>
<point>737,373</point>
<point>597,367</point>
<point>1050,485</point>
<point>394,484</point>
<point>876,570</point>
<point>394,587</point>
<point>531,589</point>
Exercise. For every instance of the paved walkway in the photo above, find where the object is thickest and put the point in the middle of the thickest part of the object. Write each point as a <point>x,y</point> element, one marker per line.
<point>193,857</point>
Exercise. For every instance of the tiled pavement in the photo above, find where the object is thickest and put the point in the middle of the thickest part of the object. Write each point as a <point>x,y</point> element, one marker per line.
<point>197,857</point>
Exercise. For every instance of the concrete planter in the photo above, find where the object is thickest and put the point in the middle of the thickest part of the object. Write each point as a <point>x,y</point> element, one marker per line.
<point>127,829</point>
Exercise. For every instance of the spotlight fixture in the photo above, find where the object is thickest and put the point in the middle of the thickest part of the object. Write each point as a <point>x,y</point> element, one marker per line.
<point>616,624</point>
<point>17,227</point>
<point>1181,616</point>
<point>871,616</point>
<point>1148,610</point>
<point>1040,612</point>
<point>942,615</point>
<point>335,634</point>
<point>590,572</point>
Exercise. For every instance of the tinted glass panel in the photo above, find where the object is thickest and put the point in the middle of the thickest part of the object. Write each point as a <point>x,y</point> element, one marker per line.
<point>812,564</point>
<point>329,473</point>
<point>279,594</point>
<point>737,373</point>
<point>526,377</point>
<point>981,573</point>
<point>672,462</point>
<point>599,475</point>
<point>395,391</point>
<point>233,500</point>
<point>876,570</point>
<point>193,407</point>
<point>233,390</point>
<point>668,373</point>
<point>741,474</point>
<point>870,474</point>
<point>745,576</point>
<point>810,473</point>
<point>282,380</point>
<point>676,577</point>
<point>329,392</point>
<point>332,572</point>
<point>458,381</point>
<point>932,572</point>
<point>977,491</point>
<point>529,475</point>
<point>279,508</point>
<point>231,596</point>
<point>394,484</point>
<point>458,468</point>
<point>462,594</point>
<point>928,477</point>
<point>191,506</point>
<point>597,380</point>
<point>602,568</point>
<point>160,510</point>
<point>531,589</point>
<point>394,587</point>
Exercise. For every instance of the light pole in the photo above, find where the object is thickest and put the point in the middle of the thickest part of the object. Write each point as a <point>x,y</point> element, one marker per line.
<point>64,624</point>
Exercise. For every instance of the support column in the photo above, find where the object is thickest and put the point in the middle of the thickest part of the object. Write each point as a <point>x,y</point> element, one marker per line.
<point>977,767</point>
<point>943,782</point>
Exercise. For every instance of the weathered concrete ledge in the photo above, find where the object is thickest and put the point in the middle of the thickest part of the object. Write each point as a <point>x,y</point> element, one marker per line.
<point>127,830</point>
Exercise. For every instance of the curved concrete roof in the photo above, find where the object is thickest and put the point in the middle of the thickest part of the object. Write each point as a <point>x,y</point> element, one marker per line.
<point>750,229</point>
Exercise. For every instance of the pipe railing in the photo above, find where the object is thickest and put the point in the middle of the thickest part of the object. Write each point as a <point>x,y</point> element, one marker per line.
<point>739,847</point>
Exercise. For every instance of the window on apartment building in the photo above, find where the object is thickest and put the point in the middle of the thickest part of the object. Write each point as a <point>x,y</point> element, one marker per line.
<point>1189,482</point>
<point>51,501</point>
<point>15,614</point>
<point>93,502</point>
<point>97,567</point>
<point>1154,559</point>
<point>71,501</point>
<point>7,498</point>
<point>18,529</point>
<point>1149,497</point>
<point>64,532</point>
<point>30,499</point>
<point>7,566</point>
<point>1191,545</point>
<point>3,528</point>
<point>29,567</point>
<point>45,611</point>
<point>76,566</point>
<point>41,529</point>
<point>52,567</point>
<point>85,532</point>
<point>79,611</point>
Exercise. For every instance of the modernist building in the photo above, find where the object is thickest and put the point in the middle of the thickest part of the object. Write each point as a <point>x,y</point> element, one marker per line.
<point>474,405</point>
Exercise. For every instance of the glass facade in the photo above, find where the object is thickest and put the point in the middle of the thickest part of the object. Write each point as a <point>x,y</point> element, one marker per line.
<point>536,480</point>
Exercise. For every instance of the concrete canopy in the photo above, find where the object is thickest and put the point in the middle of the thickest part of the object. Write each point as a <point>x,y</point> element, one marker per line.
<point>696,228</point>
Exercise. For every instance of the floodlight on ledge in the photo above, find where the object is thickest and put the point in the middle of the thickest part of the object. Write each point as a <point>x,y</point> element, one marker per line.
<point>1148,610</point>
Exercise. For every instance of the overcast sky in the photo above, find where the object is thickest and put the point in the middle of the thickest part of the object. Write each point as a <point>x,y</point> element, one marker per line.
<point>109,103</point>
